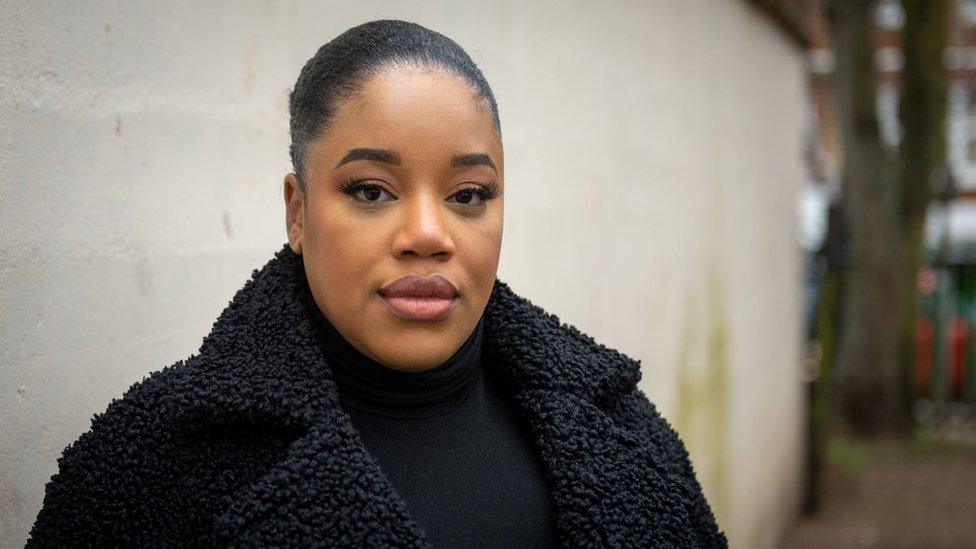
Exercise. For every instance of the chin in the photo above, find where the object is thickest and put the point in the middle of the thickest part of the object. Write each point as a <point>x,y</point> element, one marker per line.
<point>414,359</point>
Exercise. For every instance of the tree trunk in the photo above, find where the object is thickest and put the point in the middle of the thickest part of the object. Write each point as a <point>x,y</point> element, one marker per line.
<point>868,384</point>
<point>922,112</point>
<point>884,196</point>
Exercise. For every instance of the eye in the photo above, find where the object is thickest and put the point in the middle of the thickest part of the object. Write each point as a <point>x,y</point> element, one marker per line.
<point>370,193</point>
<point>361,191</point>
<point>477,195</point>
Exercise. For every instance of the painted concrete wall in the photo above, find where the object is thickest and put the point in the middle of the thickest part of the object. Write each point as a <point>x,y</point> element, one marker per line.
<point>143,145</point>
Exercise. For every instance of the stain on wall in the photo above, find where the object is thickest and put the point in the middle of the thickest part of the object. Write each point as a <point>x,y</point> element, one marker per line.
<point>703,408</point>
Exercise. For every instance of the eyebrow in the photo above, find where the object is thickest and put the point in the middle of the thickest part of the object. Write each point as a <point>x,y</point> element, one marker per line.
<point>390,157</point>
<point>377,155</point>
<point>472,159</point>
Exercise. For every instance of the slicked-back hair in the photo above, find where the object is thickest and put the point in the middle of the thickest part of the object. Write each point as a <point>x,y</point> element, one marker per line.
<point>341,67</point>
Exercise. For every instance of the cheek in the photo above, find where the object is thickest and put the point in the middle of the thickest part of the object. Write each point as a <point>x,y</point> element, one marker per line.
<point>344,255</point>
<point>481,253</point>
<point>490,236</point>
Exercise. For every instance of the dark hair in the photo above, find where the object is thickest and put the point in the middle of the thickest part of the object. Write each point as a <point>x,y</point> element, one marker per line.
<point>341,67</point>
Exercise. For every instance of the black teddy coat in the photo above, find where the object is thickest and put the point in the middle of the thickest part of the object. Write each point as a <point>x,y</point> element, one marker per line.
<point>245,444</point>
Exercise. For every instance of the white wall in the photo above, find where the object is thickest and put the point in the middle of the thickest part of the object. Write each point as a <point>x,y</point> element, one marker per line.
<point>143,145</point>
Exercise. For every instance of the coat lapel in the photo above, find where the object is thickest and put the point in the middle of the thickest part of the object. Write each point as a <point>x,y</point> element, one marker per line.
<point>261,363</point>
<point>611,486</point>
<point>329,491</point>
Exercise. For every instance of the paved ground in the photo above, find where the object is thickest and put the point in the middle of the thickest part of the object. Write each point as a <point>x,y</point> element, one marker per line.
<point>895,493</point>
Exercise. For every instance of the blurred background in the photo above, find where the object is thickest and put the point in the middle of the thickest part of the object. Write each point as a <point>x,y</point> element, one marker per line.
<point>783,191</point>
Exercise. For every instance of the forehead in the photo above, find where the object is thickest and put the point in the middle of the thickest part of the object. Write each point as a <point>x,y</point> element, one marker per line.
<point>420,112</point>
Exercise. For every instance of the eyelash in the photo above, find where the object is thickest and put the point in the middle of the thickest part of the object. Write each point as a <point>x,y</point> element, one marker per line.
<point>486,192</point>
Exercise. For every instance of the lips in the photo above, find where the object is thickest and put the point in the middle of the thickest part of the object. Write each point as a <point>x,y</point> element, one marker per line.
<point>415,297</point>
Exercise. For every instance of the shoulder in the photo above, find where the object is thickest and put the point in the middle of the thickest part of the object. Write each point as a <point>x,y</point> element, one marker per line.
<point>102,474</point>
<point>634,411</point>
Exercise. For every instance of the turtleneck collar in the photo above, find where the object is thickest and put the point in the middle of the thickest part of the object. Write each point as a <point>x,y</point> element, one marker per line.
<point>372,387</point>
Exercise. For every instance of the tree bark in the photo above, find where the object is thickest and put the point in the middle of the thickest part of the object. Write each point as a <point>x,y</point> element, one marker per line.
<point>922,113</point>
<point>884,196</point>
<point>867,362</point>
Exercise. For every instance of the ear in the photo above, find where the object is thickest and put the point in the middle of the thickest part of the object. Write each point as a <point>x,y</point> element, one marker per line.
<point>294,212</point>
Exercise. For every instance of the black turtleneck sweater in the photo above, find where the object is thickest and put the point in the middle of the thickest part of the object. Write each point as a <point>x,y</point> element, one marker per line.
<point>451,442</point>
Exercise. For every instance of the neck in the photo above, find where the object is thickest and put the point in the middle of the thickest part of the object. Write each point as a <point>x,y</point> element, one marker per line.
<point>372,387</point>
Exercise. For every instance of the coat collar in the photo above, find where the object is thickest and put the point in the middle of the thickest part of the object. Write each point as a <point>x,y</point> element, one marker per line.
<point>260,363</point>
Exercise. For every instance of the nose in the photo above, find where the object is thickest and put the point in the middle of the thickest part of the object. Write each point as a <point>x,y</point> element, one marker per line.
<point>423,231</point>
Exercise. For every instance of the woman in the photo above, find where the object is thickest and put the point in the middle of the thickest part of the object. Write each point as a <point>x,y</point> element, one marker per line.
<point>374,384</point>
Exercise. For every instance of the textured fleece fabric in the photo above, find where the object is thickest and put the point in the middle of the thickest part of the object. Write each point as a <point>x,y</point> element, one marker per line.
<point>244,444</point>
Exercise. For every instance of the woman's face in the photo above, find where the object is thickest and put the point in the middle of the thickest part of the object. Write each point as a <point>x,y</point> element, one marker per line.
<point>427,152</point>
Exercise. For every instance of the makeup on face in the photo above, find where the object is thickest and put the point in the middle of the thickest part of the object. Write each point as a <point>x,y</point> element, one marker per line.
<point>415,297</point>
<point>403,218</point>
